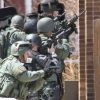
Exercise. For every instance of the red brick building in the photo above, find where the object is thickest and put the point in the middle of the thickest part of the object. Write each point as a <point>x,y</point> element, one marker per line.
<point>89,50</point>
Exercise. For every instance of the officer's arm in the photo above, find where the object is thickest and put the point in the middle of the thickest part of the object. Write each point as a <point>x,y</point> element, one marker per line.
<point>23,75</point>
<point>29,76</point>
<point>66,48</point>
<point>63,50</point>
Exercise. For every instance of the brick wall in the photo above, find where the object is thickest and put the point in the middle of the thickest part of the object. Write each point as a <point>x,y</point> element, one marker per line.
<point>82,52</point>
<point>86,51</point>
<point>96,9</point>
<point>96,34</point>
<point>18,4</point>
<point>89,49</point>
<point>87,44</point>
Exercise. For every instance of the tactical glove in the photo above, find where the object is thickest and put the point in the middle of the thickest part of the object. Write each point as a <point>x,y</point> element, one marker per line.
<point>59,45</point>
<point>47,74</point>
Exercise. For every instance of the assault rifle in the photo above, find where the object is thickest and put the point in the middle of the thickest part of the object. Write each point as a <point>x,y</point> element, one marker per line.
<point>69,24</point>
<point>64,32</point>
<point>41,62</point>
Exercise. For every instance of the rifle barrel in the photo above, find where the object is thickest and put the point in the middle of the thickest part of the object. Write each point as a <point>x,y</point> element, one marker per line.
<point>62,33</point>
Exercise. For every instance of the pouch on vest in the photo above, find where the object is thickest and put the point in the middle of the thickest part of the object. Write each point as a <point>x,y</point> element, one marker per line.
<point>8,86</point>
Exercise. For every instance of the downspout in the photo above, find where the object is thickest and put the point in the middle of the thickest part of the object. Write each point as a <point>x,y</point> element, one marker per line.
<point>28,6</point>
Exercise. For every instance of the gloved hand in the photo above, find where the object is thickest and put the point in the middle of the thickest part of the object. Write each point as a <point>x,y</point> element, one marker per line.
<point>47,74</point>
<point>59,45</point>
<point>52,49</point>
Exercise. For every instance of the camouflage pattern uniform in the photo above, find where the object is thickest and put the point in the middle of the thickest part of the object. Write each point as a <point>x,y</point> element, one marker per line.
<point>13,33</point>
<point>15,78</point>
<point>46,25</point>
<point>47,8</point>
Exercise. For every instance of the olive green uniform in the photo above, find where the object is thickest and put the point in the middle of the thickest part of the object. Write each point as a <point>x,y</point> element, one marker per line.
<point>61,50</point>
<point>14,79</point>
<point>10,36</point>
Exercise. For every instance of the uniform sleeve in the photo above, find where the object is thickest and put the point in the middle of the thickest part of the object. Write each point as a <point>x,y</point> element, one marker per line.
<point>63,50</point>
<point>17,36</point>
<point>29,76</point>
<point>19,71</point>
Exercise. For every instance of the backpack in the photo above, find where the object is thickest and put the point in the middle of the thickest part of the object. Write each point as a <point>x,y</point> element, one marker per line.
<point>5,41</point>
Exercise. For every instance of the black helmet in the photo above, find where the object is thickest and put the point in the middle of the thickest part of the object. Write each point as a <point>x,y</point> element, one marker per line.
<point>34,39</point>
<point>30,26</point>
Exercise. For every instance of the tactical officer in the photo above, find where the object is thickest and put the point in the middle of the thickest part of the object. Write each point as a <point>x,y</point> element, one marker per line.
<point>36,42</point>
<point>14,77</point>
<point>55,10</point>
<point>13,33</point>
<point>45,26</point>
<point>50,8</point>
<point>50,62</point>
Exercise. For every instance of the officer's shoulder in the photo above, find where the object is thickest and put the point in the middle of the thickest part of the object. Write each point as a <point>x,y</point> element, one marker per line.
<point>19,32</point>
<point>10,57</point>
<point>13,59</point>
